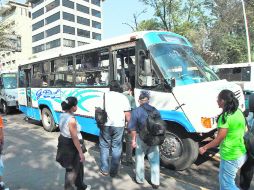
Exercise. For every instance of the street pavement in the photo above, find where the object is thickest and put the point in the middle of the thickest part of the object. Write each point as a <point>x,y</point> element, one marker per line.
<point>29,158</point>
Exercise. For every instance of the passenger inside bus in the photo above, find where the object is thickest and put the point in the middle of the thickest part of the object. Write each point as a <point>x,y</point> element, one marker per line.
<point>131,71</point>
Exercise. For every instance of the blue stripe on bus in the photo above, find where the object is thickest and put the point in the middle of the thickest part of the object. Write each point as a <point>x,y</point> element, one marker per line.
<point>33,113</point>
<point>177,117</point>
<point>88,125</point>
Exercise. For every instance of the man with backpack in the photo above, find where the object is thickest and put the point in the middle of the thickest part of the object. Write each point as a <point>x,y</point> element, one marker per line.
<point>145,141</point>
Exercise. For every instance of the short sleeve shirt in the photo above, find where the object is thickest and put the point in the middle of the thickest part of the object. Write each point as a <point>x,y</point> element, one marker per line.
<point>116,104</point>
<point>232,147</point>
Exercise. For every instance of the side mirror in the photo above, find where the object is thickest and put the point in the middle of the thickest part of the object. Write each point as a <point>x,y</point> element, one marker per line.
<point>170,84</point>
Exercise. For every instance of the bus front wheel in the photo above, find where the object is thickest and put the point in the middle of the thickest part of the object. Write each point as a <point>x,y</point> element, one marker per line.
<point>48,120</point>
<point>178,152</point>
<point>5,108</point>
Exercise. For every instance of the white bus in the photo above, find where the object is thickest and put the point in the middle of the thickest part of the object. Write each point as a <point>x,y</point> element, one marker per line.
<point>8,91</point>
<point>180,83</point>
<point>240,73</point>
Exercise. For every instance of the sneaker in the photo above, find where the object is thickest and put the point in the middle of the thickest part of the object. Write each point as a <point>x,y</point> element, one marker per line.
<point>139,183</point>
<point>88,187</point>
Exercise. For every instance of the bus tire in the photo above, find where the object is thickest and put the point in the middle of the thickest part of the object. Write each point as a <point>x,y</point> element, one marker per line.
<point>48,121</point>
<point>178,152</point>
<point>251,103</point>
<point>5,108</point>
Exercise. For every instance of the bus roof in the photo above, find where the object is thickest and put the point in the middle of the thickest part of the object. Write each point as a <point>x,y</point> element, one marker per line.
<point>113,41</point>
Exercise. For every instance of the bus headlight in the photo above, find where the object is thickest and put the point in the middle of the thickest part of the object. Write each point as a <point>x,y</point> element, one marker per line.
<point>206,122</point>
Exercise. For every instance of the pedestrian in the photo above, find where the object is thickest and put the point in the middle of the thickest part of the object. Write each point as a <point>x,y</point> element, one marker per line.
<point>131,70</point>
<point>137,122</point>
<point>118,109</point>
<point>247,170</point>
<point>127,91</point>
<point>70,154</point>
<point>231,128</point>
<point>2,185</point>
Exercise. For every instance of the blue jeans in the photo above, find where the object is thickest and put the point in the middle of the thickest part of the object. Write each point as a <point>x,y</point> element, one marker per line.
<point>110,137</point>
<point>153,155</point>
<point>227,173</point>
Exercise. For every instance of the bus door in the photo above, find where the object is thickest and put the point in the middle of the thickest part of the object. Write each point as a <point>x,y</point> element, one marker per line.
<point>28,87</point>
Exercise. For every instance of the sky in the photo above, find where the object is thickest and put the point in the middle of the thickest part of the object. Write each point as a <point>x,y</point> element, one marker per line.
<point>117,12</point>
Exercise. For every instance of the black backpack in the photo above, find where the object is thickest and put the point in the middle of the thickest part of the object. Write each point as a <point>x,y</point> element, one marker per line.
<point>249,140</point>
<point>152,132</point>
<point>101,115</point>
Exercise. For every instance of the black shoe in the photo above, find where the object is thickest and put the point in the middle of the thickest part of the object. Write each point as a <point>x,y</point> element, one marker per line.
<point>127,163</point>
<point>155,186</point>
<point>113,174</point>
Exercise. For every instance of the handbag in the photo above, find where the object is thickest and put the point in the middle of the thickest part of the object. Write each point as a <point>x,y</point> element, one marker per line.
<point>101,115</point>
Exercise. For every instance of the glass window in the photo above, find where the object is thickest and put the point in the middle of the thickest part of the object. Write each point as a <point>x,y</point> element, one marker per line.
<point>96,24</point>
<point>38,25</point>
<point>37,3</point>
<point>36,80</point>
<point>52,5</point>
<point>53,44</point>
<point>9,80</point>
<point>68,16</point>
<point>92,69</point>
<point>38,37</point>
<point>96,2</point>
<point>82,43</point>
<point>52,18</point>
<point>69,4</point>
<point>38,13</point>
<point>68,43</point>
<point>96,36</point>
<point>96,13</point>
<point>53,31</point>
<point>82,8</point>
<point>68,30</point>
<point>38,48</point>
<point>83,33</point>
<point>83,21</point>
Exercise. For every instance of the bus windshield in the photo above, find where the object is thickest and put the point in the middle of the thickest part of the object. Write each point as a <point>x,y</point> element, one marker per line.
<point>10,81</point>
<point>181,63</point>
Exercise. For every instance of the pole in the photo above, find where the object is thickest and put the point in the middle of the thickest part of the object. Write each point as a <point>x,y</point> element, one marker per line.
<point>247,32</point>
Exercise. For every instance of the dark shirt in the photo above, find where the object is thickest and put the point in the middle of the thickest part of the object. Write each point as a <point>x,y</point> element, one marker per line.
<point>138,117</point>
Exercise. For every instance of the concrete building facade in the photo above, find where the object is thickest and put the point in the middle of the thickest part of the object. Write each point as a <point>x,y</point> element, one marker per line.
<point>61,24</point>
<point>20,15</point>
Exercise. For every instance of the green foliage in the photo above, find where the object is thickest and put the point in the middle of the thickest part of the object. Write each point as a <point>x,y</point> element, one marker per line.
<point>215,27</point>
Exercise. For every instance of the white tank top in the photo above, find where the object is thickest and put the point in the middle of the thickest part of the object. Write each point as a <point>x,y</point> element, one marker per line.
<point>64,125</point>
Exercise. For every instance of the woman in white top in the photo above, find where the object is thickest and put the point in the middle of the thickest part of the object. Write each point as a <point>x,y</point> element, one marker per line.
<point>69,153</point>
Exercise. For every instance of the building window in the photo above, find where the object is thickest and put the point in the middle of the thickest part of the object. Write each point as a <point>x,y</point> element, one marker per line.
<point>53,31</point>
<point>96,24</point>
<point>53,44</point>
<point>68,16</point>
<point>68,43</point>
<point>38,25</point>
<point>69,4</point>
<point>38,37</point>
<point>38,48</point>
<point>82,43</point>
<point>52,18</point>
<point>37,3</point>
<point>96,2</point>
<point>96,13</point>
<point>38,13</point>
<point>68,30</point>
<point>83,33</point>
<point>83,21</point>
<point>52,5</point>
<point>82,8</point>
<point>96,36</point>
